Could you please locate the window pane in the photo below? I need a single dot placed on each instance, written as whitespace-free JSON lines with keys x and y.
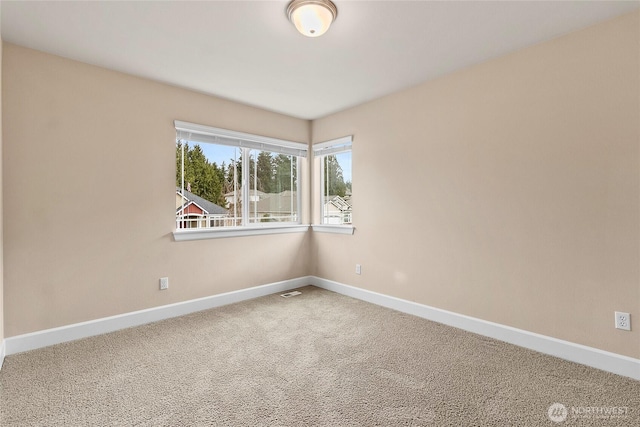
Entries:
{"x":225,"y":180}
{"x":337,"y":207}
{"x":208,"y":181}
{"x":273,"y":187}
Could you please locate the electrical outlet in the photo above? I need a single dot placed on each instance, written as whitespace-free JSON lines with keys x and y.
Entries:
{"x":623,"y":321}
{"x":358,"y":269}
{"x":164,"y":283}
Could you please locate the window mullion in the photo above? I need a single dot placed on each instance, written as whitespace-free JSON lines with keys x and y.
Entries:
{"x":322,"y":198}
{"x":255,"y":188}
{"x":246,"y":165}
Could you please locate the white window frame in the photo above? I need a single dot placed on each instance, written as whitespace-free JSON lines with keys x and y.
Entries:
{"x":320,"y":150}
{"x":186,"y":131}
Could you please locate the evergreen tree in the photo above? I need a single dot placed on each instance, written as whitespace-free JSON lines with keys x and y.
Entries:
{"x":235,"y":164}
{"x":222,"y":175}
{"x":268,"y":173}
{"x":179,"y":163}
{"x":334,"y":184}
{"x":265,"y":171}
{"x":285,"y":168}
{"x":200,"y":175}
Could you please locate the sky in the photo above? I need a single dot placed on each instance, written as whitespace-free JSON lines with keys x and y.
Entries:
{"x":222,"y":153}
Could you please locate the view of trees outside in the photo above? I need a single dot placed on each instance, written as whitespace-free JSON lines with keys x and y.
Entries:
{"x":276,"y":172}
{"x":214,"y":173}
{"x":205,"y":178}
{"x":337,"y":207}
{"x":273,"y":187}
{"x":334,"y":176}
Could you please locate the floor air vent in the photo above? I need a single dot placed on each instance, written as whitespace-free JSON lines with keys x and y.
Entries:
{"x":290,"y":294}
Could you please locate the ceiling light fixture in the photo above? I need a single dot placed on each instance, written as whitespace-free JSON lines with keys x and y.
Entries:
{"x":312,"y":17}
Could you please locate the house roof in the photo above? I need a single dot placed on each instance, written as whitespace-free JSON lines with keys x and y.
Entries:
{"x":338,"y":202}
{"x":210,"y":207}
{"x":258,"y":193}
{"x":278,"y":203}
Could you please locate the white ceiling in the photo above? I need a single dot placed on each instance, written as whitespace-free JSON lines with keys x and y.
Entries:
{"x":249,"y":52}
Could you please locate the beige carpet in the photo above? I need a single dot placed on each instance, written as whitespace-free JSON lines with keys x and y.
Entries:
{"x":318,"y":359}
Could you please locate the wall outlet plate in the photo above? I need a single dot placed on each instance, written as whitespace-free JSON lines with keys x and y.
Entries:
{"x":164,"y":283}
{"x":623,"y":321}
{"x":358,"y":269}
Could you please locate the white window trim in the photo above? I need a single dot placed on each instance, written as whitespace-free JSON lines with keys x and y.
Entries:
{"x":335,"y":146}
{"x":246,"y":142}
{"x":202,"y":234}
{"x":212,"y":135}
{"x":335,"y":229}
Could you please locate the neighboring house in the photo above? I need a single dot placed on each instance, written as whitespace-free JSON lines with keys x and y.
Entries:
{"x":337,"y":210}
{"x":254,"y":196}
{"x":276,"y":207}
{"x":195,"y":212}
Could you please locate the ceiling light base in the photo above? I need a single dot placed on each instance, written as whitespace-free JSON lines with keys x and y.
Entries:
{"x":312,"y":18}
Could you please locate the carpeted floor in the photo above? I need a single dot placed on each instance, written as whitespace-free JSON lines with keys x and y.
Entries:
{"x":317,"y":359}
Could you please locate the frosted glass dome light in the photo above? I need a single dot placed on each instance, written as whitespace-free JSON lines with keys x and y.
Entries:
{"x":312,"y":18}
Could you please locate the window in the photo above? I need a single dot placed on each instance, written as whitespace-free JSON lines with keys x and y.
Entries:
{"x":335,"y":181}
{"x":231,"y":180}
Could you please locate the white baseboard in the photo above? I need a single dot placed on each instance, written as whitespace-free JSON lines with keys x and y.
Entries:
{"x":596,"y":358}
{"x":39,"y":339}
{"x":600,"y":359}
{"x":2,"y":352}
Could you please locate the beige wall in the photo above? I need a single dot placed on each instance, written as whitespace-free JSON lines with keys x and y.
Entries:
{"x":1,"y":227}
{"x":517,"y":181}
{"x":89,"y":163}
{"x":518,"y":184}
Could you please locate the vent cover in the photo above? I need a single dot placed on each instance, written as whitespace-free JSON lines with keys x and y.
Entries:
{"x":290,"y":294}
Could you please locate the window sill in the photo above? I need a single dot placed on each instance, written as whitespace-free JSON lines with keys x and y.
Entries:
{"x":201,"y":234}
{"x":336,"y":229}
